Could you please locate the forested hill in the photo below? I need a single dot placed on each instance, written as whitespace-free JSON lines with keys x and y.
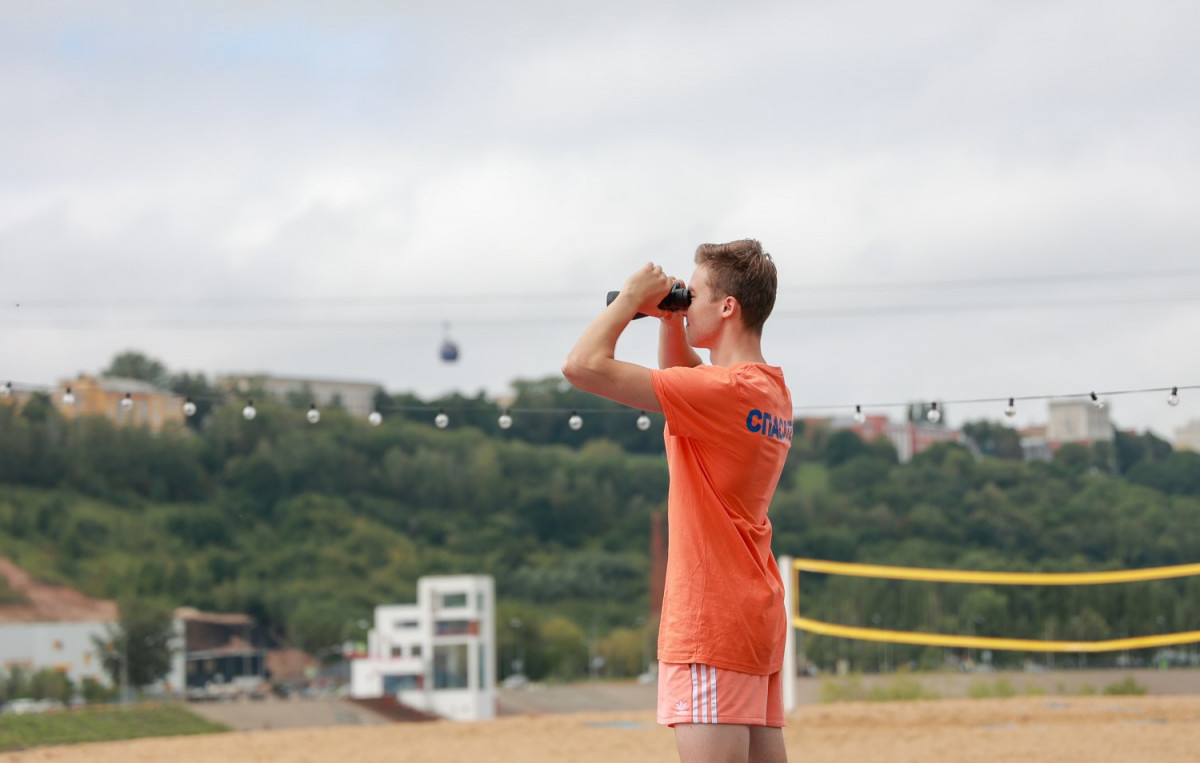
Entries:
{"x":307,"y":527}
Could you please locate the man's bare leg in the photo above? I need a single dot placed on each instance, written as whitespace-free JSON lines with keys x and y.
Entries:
{"x":766,"y":745}
{"x":712,"y":743}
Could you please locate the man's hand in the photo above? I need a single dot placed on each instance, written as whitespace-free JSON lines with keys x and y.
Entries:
{"x":646,"y":288}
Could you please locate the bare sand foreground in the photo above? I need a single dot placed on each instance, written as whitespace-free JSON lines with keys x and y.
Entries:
{"x":1027,"y":729}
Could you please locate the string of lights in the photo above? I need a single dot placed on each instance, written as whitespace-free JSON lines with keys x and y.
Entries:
{"x":506,"y":419}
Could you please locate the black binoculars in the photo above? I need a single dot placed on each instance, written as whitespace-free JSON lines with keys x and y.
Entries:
{"x":678,"y":298}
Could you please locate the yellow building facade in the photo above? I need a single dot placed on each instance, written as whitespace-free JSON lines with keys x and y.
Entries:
{"x":125,"y":401}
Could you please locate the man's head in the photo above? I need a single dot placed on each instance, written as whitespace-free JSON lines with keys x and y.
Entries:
{"x":742,"y":270}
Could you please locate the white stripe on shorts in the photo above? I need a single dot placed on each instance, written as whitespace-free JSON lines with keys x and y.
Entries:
{"x":704,"y":693}
{"x":695,"y":694}
{"x":712,"y":718}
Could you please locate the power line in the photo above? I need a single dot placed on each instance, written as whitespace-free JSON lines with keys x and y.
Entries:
{"x":1005,"y":281}
{"x":383,"y":324}
{"x":502,"y":297}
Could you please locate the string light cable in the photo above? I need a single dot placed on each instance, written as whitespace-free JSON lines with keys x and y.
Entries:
{"x":442,"y":415}
{"x":934,"y":414}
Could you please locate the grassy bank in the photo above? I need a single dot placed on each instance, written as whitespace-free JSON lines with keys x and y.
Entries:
{"x":905,"y":687}
{"x":101,"y":724}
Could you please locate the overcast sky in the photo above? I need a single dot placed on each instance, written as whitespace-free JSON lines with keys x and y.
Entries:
{"x":964,"y":199}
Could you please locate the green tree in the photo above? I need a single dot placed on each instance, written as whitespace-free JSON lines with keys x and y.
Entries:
{"x":995,"y":439}
{"x":137,"y":651}
{"x":51,"y":684}
{"x":203,"y":396}
{"x":566,"y":650}
{"x":1177,"y":474}
{"x":1074,"y":459}
{"x":844,"y":445}
{"x":883,"y":449}
{"x":134,"y":365}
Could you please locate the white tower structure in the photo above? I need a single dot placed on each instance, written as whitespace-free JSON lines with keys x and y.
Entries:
{"x":438,"y":655}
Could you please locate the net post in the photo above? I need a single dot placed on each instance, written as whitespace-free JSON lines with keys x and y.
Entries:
{"x":789,"y":573}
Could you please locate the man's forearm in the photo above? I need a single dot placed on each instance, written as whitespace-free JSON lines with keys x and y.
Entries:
{"x":673,"y":348}
{"x":592,"y":366}
{"x":598,"y":342}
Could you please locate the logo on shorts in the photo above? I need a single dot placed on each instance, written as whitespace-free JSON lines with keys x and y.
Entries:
{"x":681,"y":708}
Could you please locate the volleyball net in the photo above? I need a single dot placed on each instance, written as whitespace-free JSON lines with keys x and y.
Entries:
{"x":919,"y":638}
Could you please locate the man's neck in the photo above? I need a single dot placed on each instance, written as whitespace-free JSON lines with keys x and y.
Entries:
{"x":736,"y":347}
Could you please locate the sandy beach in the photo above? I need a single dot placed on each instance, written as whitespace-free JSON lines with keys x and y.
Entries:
{"x":1163,"y":729}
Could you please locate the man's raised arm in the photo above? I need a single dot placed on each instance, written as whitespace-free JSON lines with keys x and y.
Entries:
{"x":592,"y":365}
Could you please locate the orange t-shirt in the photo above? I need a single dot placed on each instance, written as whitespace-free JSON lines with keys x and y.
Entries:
{"x":727,"y":436}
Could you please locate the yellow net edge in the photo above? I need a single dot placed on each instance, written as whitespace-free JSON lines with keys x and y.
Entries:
{"x":820,"y":627}
{"x":1002,"y":578}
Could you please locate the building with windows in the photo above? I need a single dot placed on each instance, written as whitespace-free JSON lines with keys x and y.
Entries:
{"x":69,"y":648}
{"x":438,"y":655}
{"x":1187,"y":437}
{"x":353,"y":396}
{"x":909,"y":438}
{"x":1034,"y":444}
{"x":125,"y":401}
{"x":1080,"y":421}
{"x":217,"y":654}
{"x":53,"y":627}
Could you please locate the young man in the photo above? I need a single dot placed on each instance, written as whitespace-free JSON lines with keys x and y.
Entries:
{"x":729,"y":427}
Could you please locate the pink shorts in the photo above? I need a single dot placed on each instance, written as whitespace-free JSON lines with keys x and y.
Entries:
{"x":703,"y":694}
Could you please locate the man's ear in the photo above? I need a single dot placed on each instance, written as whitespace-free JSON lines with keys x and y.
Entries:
{"x":729,"y":307}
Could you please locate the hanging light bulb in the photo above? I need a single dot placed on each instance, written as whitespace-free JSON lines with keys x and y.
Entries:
{"x":313,"y":414}
{"x":441,"y":420}
{"x":127,"y":401}
{"x":68,"y":397}
{"x":189,"y":408}
{"x":6,"y":390}
{"x":375,"y":418}
{"x":643,"y":422}
{"x":249,"y":412}
{"x":1097,"y":401}
{"x":859,"y":416}
{"x":934,"y":415}
{"x":575,"y":422}
{"x":1172,"y":399}
{"x":505,"y":420}
{"x":1010,"y":410}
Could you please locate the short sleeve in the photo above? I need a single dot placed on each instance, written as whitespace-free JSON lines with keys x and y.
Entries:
{"x":696,"y":400}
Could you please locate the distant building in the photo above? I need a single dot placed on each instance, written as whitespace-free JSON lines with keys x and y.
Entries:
{"x":1034,"y":444}
{"x":354,"y":396}
{"x":11,"y":394}
{"x":438,"y":655}
{"x":1187,"y":437}
{"x":125,"y":401}
{"x":907,"y":437}
{"x":53,"y":627}
{"x":1078,"y":421}
{"x":217,"y":653}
